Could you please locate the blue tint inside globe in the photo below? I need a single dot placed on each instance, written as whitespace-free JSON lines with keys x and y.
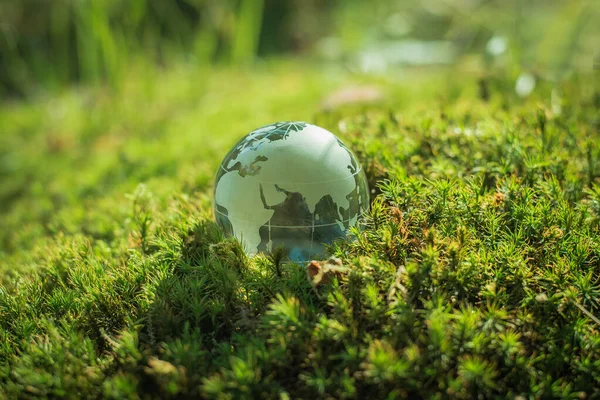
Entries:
{"x":290,"y":184}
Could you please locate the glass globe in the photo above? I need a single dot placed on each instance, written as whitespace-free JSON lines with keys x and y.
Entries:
{"x":289,"y":184}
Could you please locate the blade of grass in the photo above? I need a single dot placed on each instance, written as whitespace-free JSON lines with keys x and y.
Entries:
{"x":247,"y":31}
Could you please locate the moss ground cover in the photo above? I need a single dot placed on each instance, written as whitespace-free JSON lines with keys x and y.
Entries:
{"x":476,"y":272}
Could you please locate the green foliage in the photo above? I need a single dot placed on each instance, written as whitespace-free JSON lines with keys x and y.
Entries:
{"x":53,"y":43}
{"x":475,"y":273}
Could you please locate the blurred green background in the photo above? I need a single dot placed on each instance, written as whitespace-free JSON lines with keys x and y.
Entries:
{"x":47,"y":44}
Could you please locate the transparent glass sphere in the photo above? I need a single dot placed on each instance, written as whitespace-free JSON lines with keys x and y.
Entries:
{"x":289,"y":184}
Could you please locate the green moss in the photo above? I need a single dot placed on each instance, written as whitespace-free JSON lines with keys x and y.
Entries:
{"x":475,"y":273}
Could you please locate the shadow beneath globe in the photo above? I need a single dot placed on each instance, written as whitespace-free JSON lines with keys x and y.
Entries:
{"x":213,"y":290}
{"x":200,"y":288}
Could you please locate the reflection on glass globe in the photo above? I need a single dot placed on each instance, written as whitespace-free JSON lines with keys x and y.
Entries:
{"x":290,"y":184}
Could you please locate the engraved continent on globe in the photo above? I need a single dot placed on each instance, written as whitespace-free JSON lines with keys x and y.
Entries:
{"x":289,"y":184}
